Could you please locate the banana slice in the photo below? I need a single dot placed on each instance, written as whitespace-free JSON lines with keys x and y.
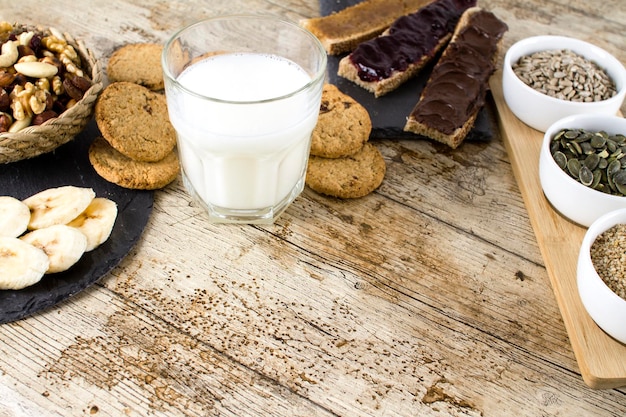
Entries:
{"x":96,"y":222}
{"x":63,"y":244}
{"x":14,"y":216}
{"x":21,"y":264}
{"x":57,"y":205}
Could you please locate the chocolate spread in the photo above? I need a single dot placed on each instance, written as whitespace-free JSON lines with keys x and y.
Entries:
{"x":411,"y":38}
{"x":458,"y":84}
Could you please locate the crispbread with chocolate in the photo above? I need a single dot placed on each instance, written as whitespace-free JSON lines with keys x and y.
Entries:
{"x":342,"y":31}
{"x":343,"y":125}
{"x":382,"y":64}
{"x":458,"y":84}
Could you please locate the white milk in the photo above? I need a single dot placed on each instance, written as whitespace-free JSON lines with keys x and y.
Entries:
{"x":239,"y":153}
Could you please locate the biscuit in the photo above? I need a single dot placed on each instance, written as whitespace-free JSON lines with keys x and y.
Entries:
{"x":343,"y":125}
{"x":138,"y":63}
{"x":135,"y":121}
{"x":125,"y":172}
{"x":352,"y":176}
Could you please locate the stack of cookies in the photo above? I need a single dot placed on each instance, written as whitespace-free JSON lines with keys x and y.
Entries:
{"x":342,"y":163}
{"x":137,"y":147}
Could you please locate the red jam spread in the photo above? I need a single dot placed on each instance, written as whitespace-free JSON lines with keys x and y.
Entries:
{"x":411,"y":38}
{"x":458,"y":84}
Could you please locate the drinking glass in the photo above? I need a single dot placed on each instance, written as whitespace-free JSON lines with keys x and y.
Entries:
{"x":243,"y":94}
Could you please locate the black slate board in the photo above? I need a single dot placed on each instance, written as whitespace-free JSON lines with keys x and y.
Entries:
{"x":389,"y":112}
{"x":69,"y":165}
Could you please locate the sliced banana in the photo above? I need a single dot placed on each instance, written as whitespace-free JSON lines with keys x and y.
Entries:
{"x":96,"y":222}
{"x":58,"y":205}
{"x":14,"y":216}
{"x":21,"y":264}
{"x":63,"y":244}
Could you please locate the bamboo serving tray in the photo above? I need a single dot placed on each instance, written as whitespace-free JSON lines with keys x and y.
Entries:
{"x":601,"y":359}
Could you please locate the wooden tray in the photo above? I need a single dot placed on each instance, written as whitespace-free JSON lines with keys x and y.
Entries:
{"x":602,"y":359}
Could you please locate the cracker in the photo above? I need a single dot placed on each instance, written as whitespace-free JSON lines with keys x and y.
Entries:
{"x":343,"y":125}
{"x":135,"y":121}
{"x":138,"y":63}
{"x":352,"y":176}
{"x":128,"y":173}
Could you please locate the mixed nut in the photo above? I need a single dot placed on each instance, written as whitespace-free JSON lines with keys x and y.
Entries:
{"x":565,"y":75}
{"x":41,"y":76}
{"x":595,"y":159}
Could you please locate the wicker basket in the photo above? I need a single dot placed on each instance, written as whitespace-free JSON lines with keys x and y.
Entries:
{"x":36,"y":140}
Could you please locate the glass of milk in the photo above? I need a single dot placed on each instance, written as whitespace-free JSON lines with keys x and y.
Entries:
{"x":243,"y":94}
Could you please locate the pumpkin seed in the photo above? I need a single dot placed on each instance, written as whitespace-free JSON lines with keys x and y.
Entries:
{"x":595,"y":159}
{"x":597,"y":141}
{"x":585,"y":175}
{"x":573,"y":167}
{"x":592,"y":161}
{"x":560,"y":159}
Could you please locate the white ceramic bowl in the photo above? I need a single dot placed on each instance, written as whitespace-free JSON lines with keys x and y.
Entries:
{"x":539,"y":110}
{"x":605,"y":307}
{"x":579,"y":203}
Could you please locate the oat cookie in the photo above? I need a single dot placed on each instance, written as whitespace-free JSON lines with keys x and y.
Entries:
{"x":343,"y":125}
{"x":135,"y":121}
{"x":138,"y":63}
{"x":352,"y":176}
{"x":125,"y":172}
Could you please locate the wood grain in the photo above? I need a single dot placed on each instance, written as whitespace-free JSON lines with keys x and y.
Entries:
{"x":429,"y":297}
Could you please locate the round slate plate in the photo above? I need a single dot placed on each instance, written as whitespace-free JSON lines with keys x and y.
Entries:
{"x":69,"y":165}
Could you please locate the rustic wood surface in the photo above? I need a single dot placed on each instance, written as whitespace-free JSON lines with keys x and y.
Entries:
{"x":429,"y":297}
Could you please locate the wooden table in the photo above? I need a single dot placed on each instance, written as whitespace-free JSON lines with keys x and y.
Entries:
{"x":429,"y":297}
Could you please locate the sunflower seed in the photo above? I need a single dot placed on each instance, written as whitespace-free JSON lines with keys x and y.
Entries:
{"x":566,"y":75}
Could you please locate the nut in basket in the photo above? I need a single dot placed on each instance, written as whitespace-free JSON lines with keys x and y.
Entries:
{"x":49,"y":83}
